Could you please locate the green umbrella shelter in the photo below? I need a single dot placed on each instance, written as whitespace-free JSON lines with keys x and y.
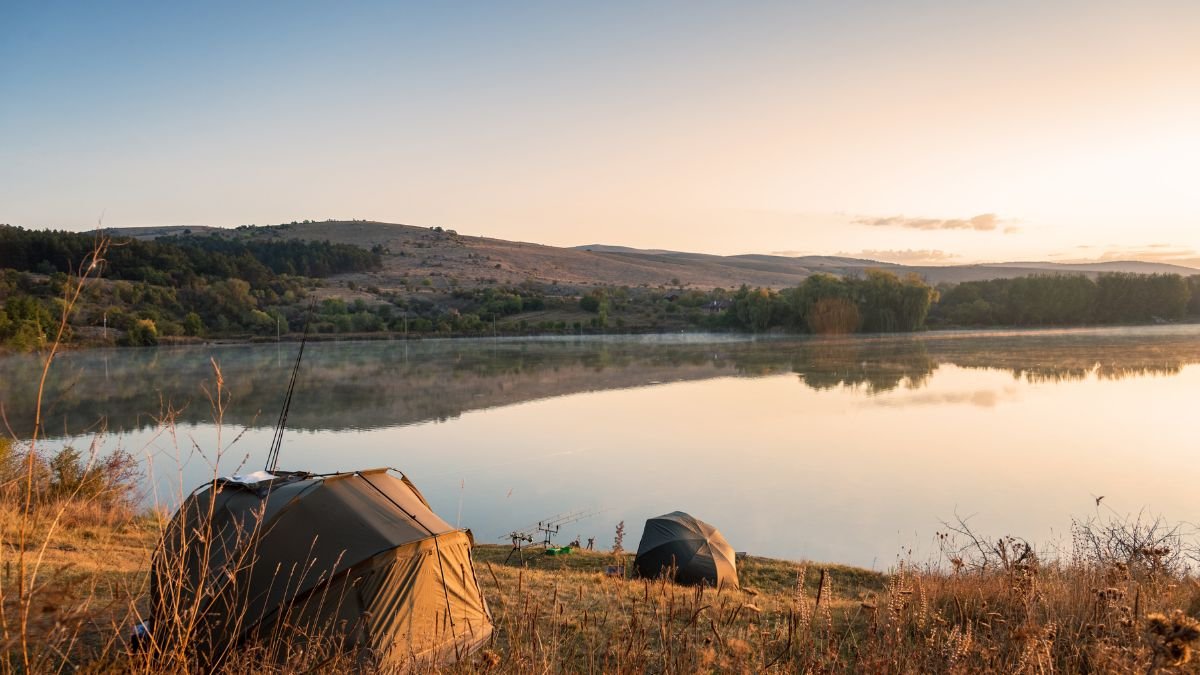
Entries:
{"x":695,"y":550}
{"x":356,"y":563}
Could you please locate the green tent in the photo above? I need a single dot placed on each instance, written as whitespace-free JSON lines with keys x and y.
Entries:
{"x":693,"y":550}
{"x":354,"y":560}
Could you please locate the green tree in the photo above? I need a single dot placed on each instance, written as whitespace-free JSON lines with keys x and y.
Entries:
{"x":592,"y":301}
{"x":757,"y":309}
{"x":815,"y":289}
{"x":192,"y":325}
{"x":26,"y":336}
{"x":260,"y":322}
{"x":916,"y":299}
{"x":143,"y":333}
{"x":365,"y":322}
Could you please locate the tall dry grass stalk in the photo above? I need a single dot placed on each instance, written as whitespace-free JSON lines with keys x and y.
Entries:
{"x":15,"y":624}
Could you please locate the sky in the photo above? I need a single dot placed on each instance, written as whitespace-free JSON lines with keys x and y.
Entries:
{"x":931,"y":131}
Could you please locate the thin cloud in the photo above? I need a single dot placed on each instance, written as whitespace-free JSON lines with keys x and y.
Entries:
{"x":984,"y":222}
{"x":905,"y":256}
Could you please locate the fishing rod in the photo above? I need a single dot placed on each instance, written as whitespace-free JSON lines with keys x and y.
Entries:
{"x":552,"y":519}
{"x":582,"y":515}
{"x":564,"y":518}
{"x":548,"y":527}
{"x":277,"y":440}
{"x":552,"y":527}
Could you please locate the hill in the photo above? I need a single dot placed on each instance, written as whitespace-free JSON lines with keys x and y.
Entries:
{"x":441,"y":255}
{"x":934,"y":274}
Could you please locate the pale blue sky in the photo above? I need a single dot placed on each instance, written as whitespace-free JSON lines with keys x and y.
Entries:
{"x":722,"y":127}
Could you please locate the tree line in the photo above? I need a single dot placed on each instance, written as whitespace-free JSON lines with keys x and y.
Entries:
{"x":1069,"y":300}
{"x":180,"y":260}
{"x":877,"y":302}
{"x":171,"y":286}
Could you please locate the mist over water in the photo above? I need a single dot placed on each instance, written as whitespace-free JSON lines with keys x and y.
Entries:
{"x":850,"y":450}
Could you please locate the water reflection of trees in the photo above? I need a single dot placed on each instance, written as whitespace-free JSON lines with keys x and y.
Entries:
{"x":1101,"y":371}
{"x":1074,"y":356}
{"x":370,"y":385}
{"x":877,"y":367}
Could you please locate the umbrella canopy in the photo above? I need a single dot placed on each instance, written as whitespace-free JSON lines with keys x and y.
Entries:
{"x":696,"y":551}
{"x":356,"y":560}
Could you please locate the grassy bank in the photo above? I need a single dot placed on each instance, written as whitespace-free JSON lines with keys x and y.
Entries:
{"x":565,"y":614}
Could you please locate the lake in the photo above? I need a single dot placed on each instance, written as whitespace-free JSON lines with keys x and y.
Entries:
{"x":851,"y":450}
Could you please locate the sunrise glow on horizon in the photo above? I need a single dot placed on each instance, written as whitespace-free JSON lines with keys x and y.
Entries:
{"x":927,"y":132}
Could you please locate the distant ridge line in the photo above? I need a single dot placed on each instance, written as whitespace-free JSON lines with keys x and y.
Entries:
{"x":437,"y":253}
{"x":1034,"y":266}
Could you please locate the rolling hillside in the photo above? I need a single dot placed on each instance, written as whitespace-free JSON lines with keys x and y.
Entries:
{"x":419,"y":253}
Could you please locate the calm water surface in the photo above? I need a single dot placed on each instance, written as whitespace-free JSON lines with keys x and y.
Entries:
{"x":849,"y":450}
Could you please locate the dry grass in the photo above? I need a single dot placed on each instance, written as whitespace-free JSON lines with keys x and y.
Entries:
{"x":564,"y":614}
{"x":560,"y":614}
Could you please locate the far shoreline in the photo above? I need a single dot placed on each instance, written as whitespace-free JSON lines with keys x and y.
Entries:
{"x":943,"y":332}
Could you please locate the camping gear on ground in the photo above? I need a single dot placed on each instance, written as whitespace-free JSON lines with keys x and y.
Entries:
{"x":692,"y":550}
{"x":356,"y":558}
{"x":546,"y":529}
{"x":139,"y":637}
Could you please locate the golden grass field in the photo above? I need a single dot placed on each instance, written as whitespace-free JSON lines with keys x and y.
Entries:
{"x":565,"y":614}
